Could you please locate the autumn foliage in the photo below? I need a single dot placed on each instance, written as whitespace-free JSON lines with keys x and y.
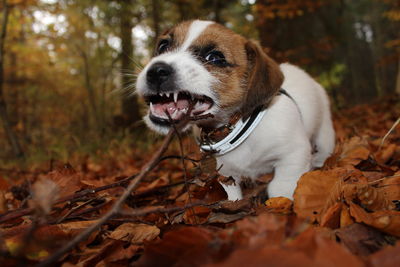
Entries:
{"x":69,"y":69}
{"x":344,"y":214}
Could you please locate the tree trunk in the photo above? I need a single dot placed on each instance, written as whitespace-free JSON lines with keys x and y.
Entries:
{"x":398,"y":78}
{"x":12,"y":138}
{"x":130,"y":107}
{"x":217,"y":11}
{"x":90,"y":90}
{"x":155,"y":5}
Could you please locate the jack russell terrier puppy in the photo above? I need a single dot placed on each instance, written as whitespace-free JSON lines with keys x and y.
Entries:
{"x":266,"y":117}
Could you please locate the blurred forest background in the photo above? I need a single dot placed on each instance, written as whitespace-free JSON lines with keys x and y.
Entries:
{"x":67,"y":67}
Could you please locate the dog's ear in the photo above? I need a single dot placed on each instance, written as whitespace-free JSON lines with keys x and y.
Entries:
{"x":264,"y":78}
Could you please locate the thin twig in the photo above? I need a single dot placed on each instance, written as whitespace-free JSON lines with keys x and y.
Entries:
{"x":15,"y":214}
{"x":187,"y":187}
{"x":145,"y":211}
{"x":388,"y":133}
{"x":74,"y":209}
{"x":116,"y":207}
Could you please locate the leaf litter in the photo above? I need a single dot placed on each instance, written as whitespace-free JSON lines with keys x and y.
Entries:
{"x":345,"y":214}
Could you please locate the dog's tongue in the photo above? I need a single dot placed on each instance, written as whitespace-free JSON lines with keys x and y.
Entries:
{"x":177,"y":109}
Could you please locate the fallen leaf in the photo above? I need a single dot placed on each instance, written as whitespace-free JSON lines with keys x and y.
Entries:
{"x":265,"y":256}
{"x":318,"y":190}
{"x":279,"y":205}
{"x":361,"y":239}
{"x":135,"y":233}
{"x":331,"y":218}
{"x":67,"y":179}
{"x":387,"y":221}
{"x":353,"y":152}
{"x":345,"y":217}
{"x":387,"y":257}
{"x":390,"y":187}
{"x":266,"y":228}
{"x":318,"y":245}
{"x":186,"y":246}
{"x":386,"y":153}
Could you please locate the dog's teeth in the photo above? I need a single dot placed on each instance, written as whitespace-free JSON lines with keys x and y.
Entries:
{"x":167,"y":94}
{"x":151,"y":106}
{"x":192,"y":97}
{"x":174,"y":113}
{"x":176,"y":97}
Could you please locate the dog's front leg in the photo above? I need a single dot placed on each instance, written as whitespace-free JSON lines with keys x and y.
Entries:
{"x":287,"y":173}
{"x":233,"y":190}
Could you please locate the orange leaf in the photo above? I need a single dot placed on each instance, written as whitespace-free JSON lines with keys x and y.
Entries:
{"x":135,"y":233}
{"x":279,"y":205}
{"x":387,"y":221}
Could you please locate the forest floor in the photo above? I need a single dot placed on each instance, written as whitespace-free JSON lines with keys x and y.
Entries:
{"x":345,"y":214}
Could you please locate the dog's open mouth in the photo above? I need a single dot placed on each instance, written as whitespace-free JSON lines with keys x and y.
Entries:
{"x":178,"y":105}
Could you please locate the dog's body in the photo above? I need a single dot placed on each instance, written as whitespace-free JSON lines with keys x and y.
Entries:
{"x":284,"y":139}
{"x":204,"y":68}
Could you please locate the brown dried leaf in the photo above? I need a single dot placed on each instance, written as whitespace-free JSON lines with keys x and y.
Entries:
{"x":387,"y":221}
{"x":361,"y":239}
{"x":331,"y":218}
{"x":135,"y":233}
{"x":68,"y":180}
{"x":373,"y":199}
{"x":353,"y":152}
{"x":265,"y":256}
{"x":385,"y":154}
{"x":186,"y":246}
{"x":390,"y":187}
{"x":318,"y":245}
{"x":387,"y":257}
{"x":196,"y":215}
{"x":316,"y":189}
{"x":345,"y":217}
{"x":266,"y":228}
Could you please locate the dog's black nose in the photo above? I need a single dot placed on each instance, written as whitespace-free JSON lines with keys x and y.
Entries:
{"x":159,"y":73}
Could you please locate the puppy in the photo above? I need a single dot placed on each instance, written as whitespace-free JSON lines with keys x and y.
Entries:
{"x":266,"y":117}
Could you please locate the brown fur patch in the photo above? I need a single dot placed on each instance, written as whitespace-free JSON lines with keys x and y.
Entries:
{"x":230,"y":86}
{"x":253,"y":78}
{"x":264,"y":78}
{"x":176,"y":35}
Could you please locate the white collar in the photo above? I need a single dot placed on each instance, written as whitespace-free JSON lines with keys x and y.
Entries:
{"x":241,"y":130}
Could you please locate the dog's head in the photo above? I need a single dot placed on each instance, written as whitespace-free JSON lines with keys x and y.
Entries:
{"x":205,"y":68}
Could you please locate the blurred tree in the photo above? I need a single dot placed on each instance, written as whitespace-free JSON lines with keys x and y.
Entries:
{"x":130,"y":106}
{"x":11,"y":136}
{"x":326,"y":36}
{"x":65,"y":59}
{"x":155,"y":10}
{"x":393,"y":15}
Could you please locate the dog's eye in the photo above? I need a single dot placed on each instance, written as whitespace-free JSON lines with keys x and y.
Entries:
{"x":215,"y":57}
{"x":163,"y":46}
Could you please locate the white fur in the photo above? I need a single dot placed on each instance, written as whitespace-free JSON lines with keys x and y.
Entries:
{"x":283,"y":141}
{"x":195,"y":30}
